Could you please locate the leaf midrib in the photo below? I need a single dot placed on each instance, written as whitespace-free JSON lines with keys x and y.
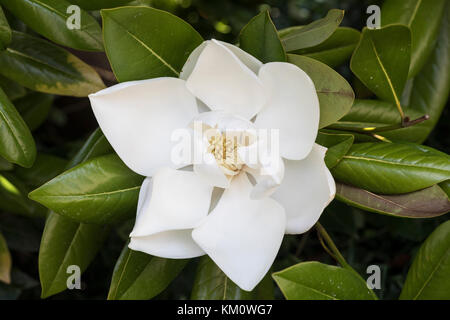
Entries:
{"x":389,"y":162}
{"x":51,"y":9}
{"x":427,"y":281}
{"x":152,"y":52}
{"x":67,"y":74}
{"x":92,"y":194}
{"x":13,"y":132}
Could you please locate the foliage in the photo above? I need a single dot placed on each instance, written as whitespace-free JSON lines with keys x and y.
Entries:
{"x":382,"y":94}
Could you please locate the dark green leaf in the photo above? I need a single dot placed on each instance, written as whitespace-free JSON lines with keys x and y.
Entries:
{"x":376,"y":113}
{"x":12,"y":89}
{"x":335,"y":94}
{"x":45,"y":168}
{"x":428,"y":276}
{"x":16,"y":142}
{"x":427,"y":203}
{"x":42,"y":66}
{"x":336,"y":49}
{"x":445,"y":186}
{"x":5,"y":31}
{"x":431,"y":86}
{"x":49,"y":18}
{"x":260,"y":38}
{"x":143,"y":43}
{"x":416,"y":15}
{"x":392,"y":168}
{"x":102,"y":190}
{"x":381,"y":61}
{"x":139,"y":276}
{"x":5,"y":165}
{"x":34,"y":108}
{"x":212,"y":284}
{"x":65,"y":242}
{"x":318,"y":281}
{"x":5,"y":261}
{"x":99,"y":4}
{"x":96,"y":145}
{"x":337,"y":144}
{"x":312,"y":34}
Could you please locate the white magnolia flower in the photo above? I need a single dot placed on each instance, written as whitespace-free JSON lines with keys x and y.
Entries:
{"x":182,"y":213}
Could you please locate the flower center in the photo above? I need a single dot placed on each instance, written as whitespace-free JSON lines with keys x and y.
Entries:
{"x":224,"y":148}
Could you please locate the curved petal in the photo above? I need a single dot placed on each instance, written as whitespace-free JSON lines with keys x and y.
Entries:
{"x":179,"y":200}
{"x":224,"y":121}
{"x":211,"y":173}
{"x":175,"y":244}
{"x":268,"y":178}
{"x":241,"y":235}
{"x":292,"y":108}
{"x":250,"y":61}
{"x":306,"y":190}
{"x":139,"y":117}
{"x":223,"y":82}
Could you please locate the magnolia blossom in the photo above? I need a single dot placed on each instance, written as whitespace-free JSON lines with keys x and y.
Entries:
{"x":233,"y":203}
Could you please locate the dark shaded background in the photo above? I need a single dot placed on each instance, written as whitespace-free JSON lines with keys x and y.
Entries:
{"x":364,"y":238}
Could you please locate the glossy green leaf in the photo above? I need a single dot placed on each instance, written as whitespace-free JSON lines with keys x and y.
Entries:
{"x":318,"y":281}
{"x":428,"y":277}
{"x":5,"y":261}
{"x":95,"y":146}
{"x":13,"y":195}
{"x":416,"y":15}
{"x":34,"y":108}
{"x":42,"y":66}
{"x":16,"y":142}
{"x":445,"y":186}
{"x":426,"y":203}
{"x":50,"y":18}
{"x":260,"y":38}
{"x":337,"y":49}
{"x":381,"y":61}
{"x":312,"y":34}
{"x":392,"y":168}
{"x":143,"y":42}
{"x":65,"y":242}
{"x":139,"y":276}
{"x":376,"y":113}
{"x":5,"y":31}
{"x":102,"y":190}
{"x":337,"y":144}
{"x":431,"y":86}
{"x":335,"y":94}
{"x":12,"y":89}
{"x":45,"y":168}
{"x":212,"y":284}
{"x":99,"y":4}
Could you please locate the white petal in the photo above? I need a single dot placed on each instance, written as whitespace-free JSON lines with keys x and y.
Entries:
{"x":251,"y":62}
{"x":139,"y":117}
{"x":241,"y":235}
{"x":223,"y":82}
{"x":179,"y":200}
{"x":292,"y":108}
{"x":211,"y":173}
{"x":176,"y":244}
{"x":268,"y":179}
{"x":307,"y":188}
